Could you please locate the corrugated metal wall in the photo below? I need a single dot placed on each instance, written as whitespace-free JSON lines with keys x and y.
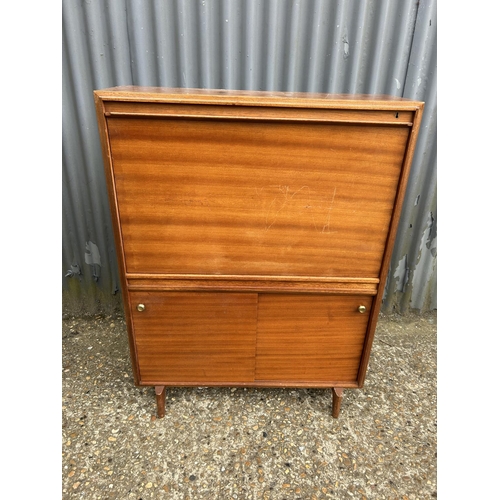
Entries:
{"x":365,"y":46}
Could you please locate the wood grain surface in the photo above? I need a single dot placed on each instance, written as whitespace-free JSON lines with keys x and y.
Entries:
{"x":229,"y":97}
{"x":248,"y":113}
{"x":289,"y":284}
{"x":218,"y":197}
{"x":310,"y":337}
{"x":197,"y":337}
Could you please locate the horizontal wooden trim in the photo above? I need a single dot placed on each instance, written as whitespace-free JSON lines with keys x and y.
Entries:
{"x":257,"y":287}
{"x":254,"y":113}
{"x":258,"y":118}
{"x":256,"y":284}
{"x":256,"y":98}
{"x":246,"y":277}
{"x":258,"y":384}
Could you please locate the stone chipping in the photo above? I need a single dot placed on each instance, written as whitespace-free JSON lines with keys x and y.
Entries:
{"x":246,"y":443}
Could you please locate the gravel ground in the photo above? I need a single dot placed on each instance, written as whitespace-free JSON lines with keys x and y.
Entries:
{"x":228,"y":443}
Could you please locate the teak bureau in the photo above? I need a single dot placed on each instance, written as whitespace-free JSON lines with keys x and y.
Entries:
{"x":253,"y":231}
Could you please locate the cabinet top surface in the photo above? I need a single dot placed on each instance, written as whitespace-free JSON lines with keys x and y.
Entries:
{"x":256,"y":98}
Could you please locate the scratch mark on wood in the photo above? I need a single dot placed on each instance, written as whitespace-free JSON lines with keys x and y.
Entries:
{"x":284,"y":192}
{"x":308,"y":205}
{"x":287,"y":200}
{"x":326,"y":227}
{"x":299,"y":190}
{"x":258,"y":191}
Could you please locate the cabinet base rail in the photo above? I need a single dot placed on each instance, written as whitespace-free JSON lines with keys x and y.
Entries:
{"x":160,"y":391}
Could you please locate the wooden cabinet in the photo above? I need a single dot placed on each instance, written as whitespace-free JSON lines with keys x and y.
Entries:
{"x":253,"y":231}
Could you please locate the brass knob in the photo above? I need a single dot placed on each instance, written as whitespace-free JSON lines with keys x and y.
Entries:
{"x":141,"y":307}
{"x":362,"y":309}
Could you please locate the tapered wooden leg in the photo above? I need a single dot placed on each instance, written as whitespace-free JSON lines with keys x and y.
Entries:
{"x":160,"y":400}
{"x":338,"y":394}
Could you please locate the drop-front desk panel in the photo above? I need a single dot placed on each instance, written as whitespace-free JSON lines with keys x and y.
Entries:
{"x":253,"y":231}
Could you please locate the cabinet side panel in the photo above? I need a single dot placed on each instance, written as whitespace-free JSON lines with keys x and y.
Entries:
{"x":255,"y":198}
{"x":195,"y":337}
{"x":398,"y":205}
{"x":115,"y":217}
{"x":310,"y":337}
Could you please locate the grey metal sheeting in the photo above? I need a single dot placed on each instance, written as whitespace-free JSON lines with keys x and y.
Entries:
{"x":370,"y":47}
